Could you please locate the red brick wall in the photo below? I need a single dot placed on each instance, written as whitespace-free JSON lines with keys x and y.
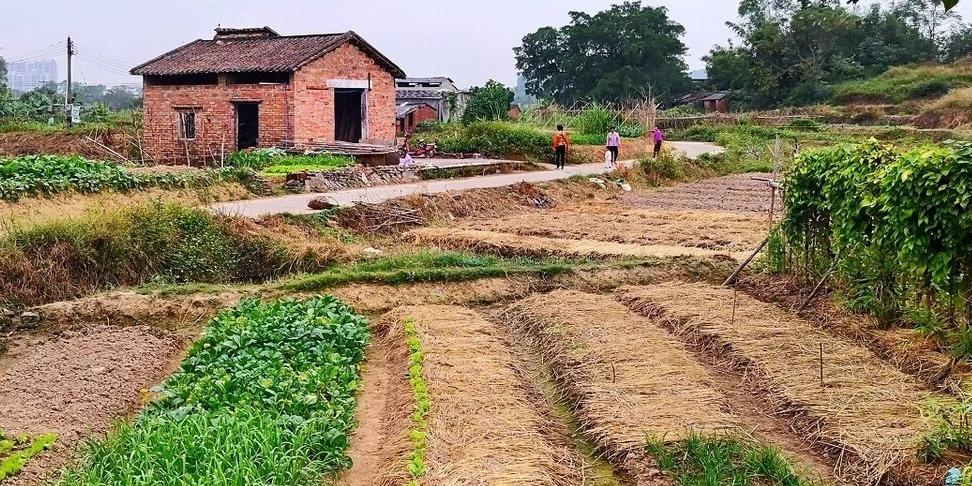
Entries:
{"x":215,"y":119}
{"x":314,"y":101}
{"x":302,"y":110}
{"x":423,"y":113}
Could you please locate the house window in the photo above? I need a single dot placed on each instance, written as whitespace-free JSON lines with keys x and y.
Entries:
{"x":187,"y":125}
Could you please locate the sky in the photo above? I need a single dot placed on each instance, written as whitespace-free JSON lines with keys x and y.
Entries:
{"x":471,"y":42}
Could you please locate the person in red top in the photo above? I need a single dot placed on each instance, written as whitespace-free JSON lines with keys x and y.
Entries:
{"x":561,"y":143}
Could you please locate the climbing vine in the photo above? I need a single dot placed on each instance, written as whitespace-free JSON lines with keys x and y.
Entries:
{"x":894,"y":227}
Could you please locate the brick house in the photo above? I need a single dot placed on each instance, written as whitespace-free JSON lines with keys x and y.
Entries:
{"x":409,"y":115}
{"x":255,"y":88}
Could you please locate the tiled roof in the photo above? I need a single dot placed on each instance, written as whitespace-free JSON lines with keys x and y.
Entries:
{"x":432,"y":94}
{"x":268,"y":54}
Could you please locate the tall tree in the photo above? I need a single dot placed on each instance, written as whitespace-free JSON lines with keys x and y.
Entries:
{"x":958,"y":44}
{"x":488,"y":102}
{"x":614,"y":55}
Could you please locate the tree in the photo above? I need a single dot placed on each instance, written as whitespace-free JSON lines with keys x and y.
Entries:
{"x":615,"y":55}
{"x":488,"y":102}
{"x":958,"y":44}
{"x":792,"y":51}
{"x":947,"y":4}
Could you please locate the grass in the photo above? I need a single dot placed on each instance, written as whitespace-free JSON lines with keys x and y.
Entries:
{"x":266,"y":396}
{"x":420,"y":392}
{"x":722,"y":460}
{"x":275,"y":161}
{"x":905,"y":83}
{"x":425,"y":266}
{"x":288,"y":164}
{"x":155,"y":241}
{"x":15,"y":452}
{"x":421,"y":266}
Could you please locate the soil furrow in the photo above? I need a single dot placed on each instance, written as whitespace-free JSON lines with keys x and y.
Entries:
{"x":625,"y":378}
{"x":863,"y":411}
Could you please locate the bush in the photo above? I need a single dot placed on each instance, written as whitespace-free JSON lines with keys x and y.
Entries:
{"x":932,"y":88}
{"x":498,"y":139}
{"x":169,"y":243}
{"x":266,"y":396}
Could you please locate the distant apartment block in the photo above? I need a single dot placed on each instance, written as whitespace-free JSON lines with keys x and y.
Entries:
{"x":29,"y":75}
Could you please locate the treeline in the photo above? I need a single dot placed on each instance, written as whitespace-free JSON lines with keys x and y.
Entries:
{"x":792,"y":52}
{"x":46,"y":102}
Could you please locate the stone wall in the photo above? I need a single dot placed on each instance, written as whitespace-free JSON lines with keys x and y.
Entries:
{"x":360,"y":176}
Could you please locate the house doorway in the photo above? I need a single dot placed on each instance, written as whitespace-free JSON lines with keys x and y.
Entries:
{"x":247,"y":125}
{"x":349,"y":108}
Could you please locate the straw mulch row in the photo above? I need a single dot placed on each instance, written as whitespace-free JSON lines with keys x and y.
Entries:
{"x":509,"y":244}
{"x":625,"y":378}
{"x":483,"y":427}
{"x":908,"y":349}
{"x":866,"y":414}
{"x":722,"y":231}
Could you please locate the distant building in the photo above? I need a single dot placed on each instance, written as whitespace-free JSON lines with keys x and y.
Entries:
{"x":520,"y":96}
{"x":439,"y":92}
{"x":717,"y":101}
{"x":409,"y":115}
{"x":706,"y":101}
{"x":26,"y":76}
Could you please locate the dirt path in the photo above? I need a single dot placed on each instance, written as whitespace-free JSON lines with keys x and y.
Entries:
{"x":371,"y":411}
{"x":297,"y":204}
{"x":77,"y":384}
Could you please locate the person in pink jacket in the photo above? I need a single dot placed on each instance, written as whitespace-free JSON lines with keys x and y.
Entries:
{"x":658,"y":138}
{"x":614,"y":145}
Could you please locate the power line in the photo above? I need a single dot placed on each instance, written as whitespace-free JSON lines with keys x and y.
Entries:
{"x":106,"y":58}
{"x":40,"y":55}
{"x":41,"y":51}
{"x":107,"y":67}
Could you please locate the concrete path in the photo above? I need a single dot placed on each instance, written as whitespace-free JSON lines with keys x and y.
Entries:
{"x":297,"y":203}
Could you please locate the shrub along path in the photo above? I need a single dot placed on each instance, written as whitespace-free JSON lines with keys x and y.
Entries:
{"x":297,"y":203}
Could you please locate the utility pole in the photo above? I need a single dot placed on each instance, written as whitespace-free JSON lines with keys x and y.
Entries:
{"x":67,"y":93}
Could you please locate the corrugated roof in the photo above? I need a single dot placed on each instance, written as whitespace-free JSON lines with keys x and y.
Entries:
{"x":718,"y":95}
{"x":269,"y":54}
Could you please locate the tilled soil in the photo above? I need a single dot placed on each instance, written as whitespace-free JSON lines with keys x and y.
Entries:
{"x":511,"y":244}
{"x":722,"y":231}
{"x":77,"y":384}
{"x":736,"y":193}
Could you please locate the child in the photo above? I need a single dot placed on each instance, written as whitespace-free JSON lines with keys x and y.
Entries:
{"x":658,"y":137}
{"x":614,"y":145}
{"x":560,"y":145}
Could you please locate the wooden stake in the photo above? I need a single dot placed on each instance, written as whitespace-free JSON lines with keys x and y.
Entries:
{"x":742,"y":265}
{"x":821,"y":366}
{"x":817,"y":287}
{"x":732,"y":320}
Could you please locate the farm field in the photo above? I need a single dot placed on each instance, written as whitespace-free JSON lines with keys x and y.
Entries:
{"x":564,"y":334}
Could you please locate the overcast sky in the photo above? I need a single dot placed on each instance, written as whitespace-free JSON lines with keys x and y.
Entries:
{"x":470,"y":42}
